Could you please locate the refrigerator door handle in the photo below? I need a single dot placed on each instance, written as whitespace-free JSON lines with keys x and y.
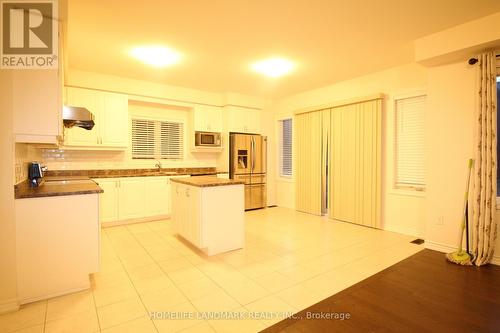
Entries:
{"x":253,"y":153}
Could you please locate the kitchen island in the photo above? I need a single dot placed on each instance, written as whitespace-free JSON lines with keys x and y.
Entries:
{"x":208,"y":212}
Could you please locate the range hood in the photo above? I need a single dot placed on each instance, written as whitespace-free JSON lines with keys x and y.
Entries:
{"x":77,"y":116}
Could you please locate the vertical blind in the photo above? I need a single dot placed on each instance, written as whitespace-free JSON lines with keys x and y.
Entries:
{"x":157,"y":139}
{"x":286,"y":147}
{"x":309,"y":162}
{"x":409,"y":142}
{"x":355,"y":163}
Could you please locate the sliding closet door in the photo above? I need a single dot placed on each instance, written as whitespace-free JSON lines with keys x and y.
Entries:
{"x":308,"y":162}
{"x":355,"y":167}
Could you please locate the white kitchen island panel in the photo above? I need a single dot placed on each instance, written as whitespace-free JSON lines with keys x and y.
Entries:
{"x":210,"y":217}
{"x":57,"y":245}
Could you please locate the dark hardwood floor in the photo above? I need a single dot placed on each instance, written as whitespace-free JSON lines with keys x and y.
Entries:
{"x":423,"y":293}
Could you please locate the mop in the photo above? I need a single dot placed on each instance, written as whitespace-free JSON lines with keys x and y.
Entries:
{"x":460,"y":256}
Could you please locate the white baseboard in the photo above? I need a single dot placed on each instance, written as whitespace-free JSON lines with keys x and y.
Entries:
{"x":9,"y":305}
{"x":448,"y":249}
{"x":403,"y":231}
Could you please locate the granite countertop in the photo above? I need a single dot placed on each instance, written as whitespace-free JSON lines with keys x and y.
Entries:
{"x":207,"y":181}
{"x":121,"y":173}
{"x":57,"y":186}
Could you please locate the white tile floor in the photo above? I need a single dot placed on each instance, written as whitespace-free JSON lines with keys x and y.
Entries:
{"x":291,"y":261}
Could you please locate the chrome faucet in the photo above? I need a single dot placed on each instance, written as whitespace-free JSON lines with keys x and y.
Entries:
{"x":158,"y":165}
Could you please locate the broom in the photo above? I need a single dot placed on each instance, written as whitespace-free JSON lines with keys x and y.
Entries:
{"x":460,"y":256}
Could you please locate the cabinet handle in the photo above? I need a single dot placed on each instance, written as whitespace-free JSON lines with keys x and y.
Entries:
{"x":187,"y":192}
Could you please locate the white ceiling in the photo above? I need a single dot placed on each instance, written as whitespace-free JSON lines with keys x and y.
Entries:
{"x":331,"y":40}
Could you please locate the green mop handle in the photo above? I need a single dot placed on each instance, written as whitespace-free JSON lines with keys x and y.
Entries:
{"x":466,"y":197}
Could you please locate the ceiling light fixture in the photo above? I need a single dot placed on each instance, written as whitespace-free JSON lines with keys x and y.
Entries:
{"x":157,"y":56}
{"x":274,"y":67}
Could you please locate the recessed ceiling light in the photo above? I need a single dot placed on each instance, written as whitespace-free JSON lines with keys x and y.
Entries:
{"x":157,"y":56}
{"x":274,"y":67}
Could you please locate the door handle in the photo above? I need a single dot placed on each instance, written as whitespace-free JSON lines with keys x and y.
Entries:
{"x":253,"y":154}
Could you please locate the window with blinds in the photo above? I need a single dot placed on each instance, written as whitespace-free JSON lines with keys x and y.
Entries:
{"x":409,"y":142}
{"x":157,"y":139}
{"x":286,"y":148}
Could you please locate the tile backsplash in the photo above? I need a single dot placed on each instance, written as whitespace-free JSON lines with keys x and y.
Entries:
{"x":21,"y":162}
{"x":62,"y":159}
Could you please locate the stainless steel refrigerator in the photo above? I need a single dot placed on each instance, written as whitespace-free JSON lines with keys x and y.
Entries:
{"x":247,"y":162}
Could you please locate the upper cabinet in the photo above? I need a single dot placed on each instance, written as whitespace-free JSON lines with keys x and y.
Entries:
{"x":243,"y":120}
{"x":38,"y":105}
{"x":110,"y":112}
{"x":207,"y":118}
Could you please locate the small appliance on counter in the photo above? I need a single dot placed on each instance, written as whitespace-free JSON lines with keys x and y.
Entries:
{"x":35,"y":174}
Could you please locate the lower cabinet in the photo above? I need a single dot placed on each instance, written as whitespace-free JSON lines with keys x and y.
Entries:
{"x":134,"y":198}
{"x":157,"y":196}
{"x":131,"y":200}
{"x":186,"y":200}
{"x":108,"y":201}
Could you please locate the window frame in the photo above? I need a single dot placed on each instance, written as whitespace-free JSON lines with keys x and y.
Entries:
{"x":158,"y":143}
{"x":409,"y":189}
{"x":280,"y":147}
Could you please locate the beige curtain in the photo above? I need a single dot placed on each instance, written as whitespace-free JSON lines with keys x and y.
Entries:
{"x":309,"y":163}
{"x":485,"y":164}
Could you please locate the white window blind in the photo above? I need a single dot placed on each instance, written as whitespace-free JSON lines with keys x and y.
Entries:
{"x":409,"y":142}
{"x":286,"y":148}
{"x":171,"y":140}
{"x":157,"y":139}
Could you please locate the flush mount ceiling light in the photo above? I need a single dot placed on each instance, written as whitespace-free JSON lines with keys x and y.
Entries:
{"x":274,"y":67}
{"x":157,"y":56}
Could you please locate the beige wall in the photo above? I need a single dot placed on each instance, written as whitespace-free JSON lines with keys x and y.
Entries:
{"x":402,"y":211}
{"x":8,"y":300}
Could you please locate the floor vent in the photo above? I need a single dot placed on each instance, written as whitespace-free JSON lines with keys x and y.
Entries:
{"x":417,"y":241}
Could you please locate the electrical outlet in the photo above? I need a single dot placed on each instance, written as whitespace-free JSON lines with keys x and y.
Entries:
{"x":440,"y":220}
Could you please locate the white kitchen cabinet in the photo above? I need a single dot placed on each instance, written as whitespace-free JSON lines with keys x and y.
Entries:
{"x":243,"y":120}
{"x":108,"y":201}
{"x":207,"y":118}
{"x":110,"y":112}
{"x":131,"y":199}
{"x":37,"y":103}
{"x":157,"y":196}
{"x":114,"y":120}
{"x":131,"y":202}
{"x":186,"y":204}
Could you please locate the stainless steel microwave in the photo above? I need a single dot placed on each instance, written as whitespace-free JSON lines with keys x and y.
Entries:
{"x":207,"y":139}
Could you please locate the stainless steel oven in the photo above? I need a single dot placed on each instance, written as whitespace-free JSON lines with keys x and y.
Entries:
{"x":207,"y":139}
